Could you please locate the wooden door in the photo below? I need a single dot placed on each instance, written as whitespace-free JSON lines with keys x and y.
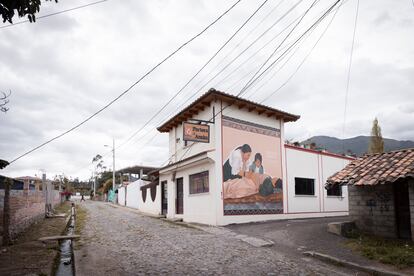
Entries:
{"x":164,"y":198}
{"x":180,"y":196}
{"x":402,"y":210}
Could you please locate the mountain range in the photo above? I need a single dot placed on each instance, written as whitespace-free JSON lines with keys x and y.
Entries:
{"x":356,"y":145}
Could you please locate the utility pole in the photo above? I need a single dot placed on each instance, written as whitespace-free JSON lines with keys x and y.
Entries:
{"x":94,"y":186}
{"x":6,"y":211}
{"x":113,"y":164}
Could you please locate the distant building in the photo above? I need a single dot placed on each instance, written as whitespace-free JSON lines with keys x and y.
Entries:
{"x":228,"y":164}
{"x":17,"y":184}
{"x":30,"y":182}
{"x":381,"y":193}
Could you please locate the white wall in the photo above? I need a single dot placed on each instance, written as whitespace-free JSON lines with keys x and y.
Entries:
{"x":121,"y":196}
{"x":197,"y":207}
{"x":150,"y":206}
{"x":318,"y":166}
{"x":133,"y":194}
{"x":331,"y":165}
{"x":305,"y":165}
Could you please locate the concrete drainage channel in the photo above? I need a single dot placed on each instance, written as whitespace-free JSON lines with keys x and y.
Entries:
{"x":66,"y":260}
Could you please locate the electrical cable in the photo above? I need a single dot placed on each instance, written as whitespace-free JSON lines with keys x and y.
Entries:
{"x":241,"y":91}
{"x":194,"y":76}
{"x":128,"y":89}
{"x":55,"y":13}
{"x":273,"y":53}
{"x":348,"y":80}
{"x":274,"y":62}
{"x":304,"y":59}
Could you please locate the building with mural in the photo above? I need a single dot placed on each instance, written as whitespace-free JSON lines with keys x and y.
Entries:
{"x":228,"y":163}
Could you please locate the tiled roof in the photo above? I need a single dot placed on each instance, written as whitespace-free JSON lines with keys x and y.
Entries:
{"x":212,"y":95}
{"x":376,"y":169}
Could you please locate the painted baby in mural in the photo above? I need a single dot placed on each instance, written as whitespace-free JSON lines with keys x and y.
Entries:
{"x":243,"y":177}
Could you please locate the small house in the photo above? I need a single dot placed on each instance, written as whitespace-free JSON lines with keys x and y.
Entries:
{"x":381,"y":193}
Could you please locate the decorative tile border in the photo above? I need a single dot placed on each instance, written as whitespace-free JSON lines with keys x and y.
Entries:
{"x":250,"y":127}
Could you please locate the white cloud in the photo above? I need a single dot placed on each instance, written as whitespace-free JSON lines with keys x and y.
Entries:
{"x":63,"y":68}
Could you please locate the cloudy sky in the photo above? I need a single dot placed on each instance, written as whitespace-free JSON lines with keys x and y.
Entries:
{"x":63,"y":68}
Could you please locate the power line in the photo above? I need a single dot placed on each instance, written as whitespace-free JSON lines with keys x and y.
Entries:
{"x":276,"y":60}
{"x":194,"y":94}
{"x":238,"y":44}
{"x":310,"y":28}
{"x":55,"y":13}
{"x":251,"y":44}
{"x":304,"y":59}
{"x":267,"y":43}
{"x":195,"y":75}
{"x":129,"y":88}
{"x":348,"y":80}
{"x":273,"y":53}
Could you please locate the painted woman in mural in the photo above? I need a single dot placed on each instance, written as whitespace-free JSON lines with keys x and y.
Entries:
{"x":236,"y":165}
{"x":243,"y":177}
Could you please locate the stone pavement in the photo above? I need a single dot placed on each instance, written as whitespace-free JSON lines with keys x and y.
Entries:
{"x":120,"y":241}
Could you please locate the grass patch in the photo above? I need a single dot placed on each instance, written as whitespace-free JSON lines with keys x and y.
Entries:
{"x":398,"y":253}
{"x":81,"y":217}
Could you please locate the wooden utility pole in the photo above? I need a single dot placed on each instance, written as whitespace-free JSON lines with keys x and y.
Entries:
{"x":6,"y":212}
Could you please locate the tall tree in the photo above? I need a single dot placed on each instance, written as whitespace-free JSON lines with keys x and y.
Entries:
{"x":376,"y":144}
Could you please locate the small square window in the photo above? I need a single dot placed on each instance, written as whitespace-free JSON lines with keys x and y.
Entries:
{"x":334,"y":190}
{"x":304,"y":186}
{"x":199,"y":183}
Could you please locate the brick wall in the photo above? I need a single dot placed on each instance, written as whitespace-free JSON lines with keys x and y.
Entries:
{"x":372,"y":209}
{"x":25,"y":208}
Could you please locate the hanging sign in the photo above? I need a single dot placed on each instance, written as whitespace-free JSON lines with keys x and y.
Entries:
{"x":196,"y":132}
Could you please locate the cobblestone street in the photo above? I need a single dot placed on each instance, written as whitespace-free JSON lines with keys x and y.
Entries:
{"x":120,"y":241}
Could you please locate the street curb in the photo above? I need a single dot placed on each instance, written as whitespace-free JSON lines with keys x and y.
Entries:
{"x":135,"y":210}
{"x":340,"y":262}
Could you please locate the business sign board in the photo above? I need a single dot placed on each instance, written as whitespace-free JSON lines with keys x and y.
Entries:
{"x":196,"y":132}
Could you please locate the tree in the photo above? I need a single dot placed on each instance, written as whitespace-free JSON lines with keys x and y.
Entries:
{"x":376,"y":144}
{"x":8,"y":9}
{"x":3,"y":164}
{"x":4,"y":100}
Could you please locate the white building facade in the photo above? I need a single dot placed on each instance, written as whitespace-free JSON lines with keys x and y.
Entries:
{"x":243,"y":171}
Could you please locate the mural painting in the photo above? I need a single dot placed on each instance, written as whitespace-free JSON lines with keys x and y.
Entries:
{"x":252,"y":172}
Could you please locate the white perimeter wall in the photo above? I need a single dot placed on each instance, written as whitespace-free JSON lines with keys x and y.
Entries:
{"x":331,"y":165}
{"x":306,"y":164}
{"x":133,"y":193}
{"x":121,"y":196}
{"x":150,"y":206}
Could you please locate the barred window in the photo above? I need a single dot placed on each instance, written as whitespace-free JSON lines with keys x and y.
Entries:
{"x":199,"y":183}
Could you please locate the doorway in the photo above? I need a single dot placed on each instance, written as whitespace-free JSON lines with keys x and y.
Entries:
{"x":402,"y":210}
{"x":164,"y":198}
{"x":179,"y":208}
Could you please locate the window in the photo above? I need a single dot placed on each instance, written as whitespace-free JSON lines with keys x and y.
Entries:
{"x":304,"y":186}
{"x":199,"y":183}
{"x":334,"y":190}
